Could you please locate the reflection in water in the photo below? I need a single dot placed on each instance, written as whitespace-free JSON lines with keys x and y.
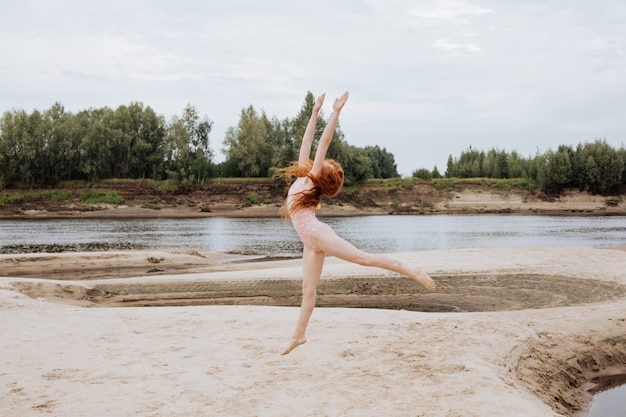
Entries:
{"x":270,"y":237}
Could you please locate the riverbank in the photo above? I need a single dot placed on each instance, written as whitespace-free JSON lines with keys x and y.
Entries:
{"x":531,"y":328}
{"x":240,"y":198}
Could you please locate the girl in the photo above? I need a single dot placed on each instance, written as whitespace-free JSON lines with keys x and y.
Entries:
{"x":325,"y":177}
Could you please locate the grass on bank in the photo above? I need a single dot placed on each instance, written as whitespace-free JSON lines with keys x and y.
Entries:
{"x":87,"y":197}
{"x":11,"y":198}
{"x":104,"y":192}
{"x":94,"y":197}
{"x":450,"y":184}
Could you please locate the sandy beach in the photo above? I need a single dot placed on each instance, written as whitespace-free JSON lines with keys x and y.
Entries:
{"x":511,"y":331}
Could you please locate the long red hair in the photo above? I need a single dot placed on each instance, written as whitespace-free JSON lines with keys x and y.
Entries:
{"x":327,"y":183}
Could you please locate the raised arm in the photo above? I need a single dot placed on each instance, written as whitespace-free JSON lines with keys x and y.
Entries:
{"x":309,"y":133}
{"x":327,"y":135}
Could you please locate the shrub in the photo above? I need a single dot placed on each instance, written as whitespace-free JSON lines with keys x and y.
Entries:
{"x":60,"y":195}
{"x":101,"y":197}
{"x":252,"y":199}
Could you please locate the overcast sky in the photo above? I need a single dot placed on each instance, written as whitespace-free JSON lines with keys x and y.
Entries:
{"x":426,"y":78}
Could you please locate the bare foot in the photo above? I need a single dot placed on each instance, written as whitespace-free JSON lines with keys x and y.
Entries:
{"x":295,"y":342}
{"x":423,"y":278}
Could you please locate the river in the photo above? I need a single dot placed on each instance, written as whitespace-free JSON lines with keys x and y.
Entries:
{"x":270,"y":237}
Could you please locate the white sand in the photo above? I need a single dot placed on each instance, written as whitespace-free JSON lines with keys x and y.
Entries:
{"x":63,"y":360}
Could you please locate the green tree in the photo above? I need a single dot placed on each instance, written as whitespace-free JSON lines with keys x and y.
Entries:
{"x":468,"y":165}
{"x":188,"y":156}
{"x":451,"y":168}
{"x":31,"y":141}
{"x":383,"y":164}
{"x":98,"y":143}
{"x":12,"y":131}
{"x":148,"y":154}
{"x":282,"y":142}
{"x":554,"y":171}
{"x":138,"y":137}
{"x":516,"y":166}
{"x":422,"y":173}
{"x":356,"y":163}
{"x":247,"y":146}
{"x":573,"y":176}
{"x":602,"y":167}
{"x":496,"y":164}
{"x":61,"y":162}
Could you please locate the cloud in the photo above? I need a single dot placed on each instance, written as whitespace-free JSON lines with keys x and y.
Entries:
{"x":450,"y":11}
{"x":104,"y":56}
{"x":453,"y":46}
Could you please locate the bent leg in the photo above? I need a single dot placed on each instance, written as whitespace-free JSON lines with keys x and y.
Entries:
{"x":327,"y":240}
{"x":312,"y":264}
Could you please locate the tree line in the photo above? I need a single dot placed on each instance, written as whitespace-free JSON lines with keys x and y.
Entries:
{"x":134,"y":142}
{"x":47,"y":147}
{"x":593,"y":166}
{"x":96,"y":144}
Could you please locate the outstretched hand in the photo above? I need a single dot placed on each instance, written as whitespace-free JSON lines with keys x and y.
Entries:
{"x":339,"y":102}
{"x":318,"y":103}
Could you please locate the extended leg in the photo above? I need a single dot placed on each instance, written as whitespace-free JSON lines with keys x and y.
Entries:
{"x":312,"y":264}
{"x":326,"y":240}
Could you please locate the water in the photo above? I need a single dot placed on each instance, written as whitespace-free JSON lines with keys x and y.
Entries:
{"x":270,"y":237}
{"x":609,"y":403}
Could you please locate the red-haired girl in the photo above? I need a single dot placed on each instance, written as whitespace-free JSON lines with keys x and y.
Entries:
{"x":313,"y":179}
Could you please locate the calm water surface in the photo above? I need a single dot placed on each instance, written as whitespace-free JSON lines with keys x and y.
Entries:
{"x":610,"y":403}
{"x":269,"y":236}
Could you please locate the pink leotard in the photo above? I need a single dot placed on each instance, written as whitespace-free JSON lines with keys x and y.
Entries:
{"x":304,"y":220}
